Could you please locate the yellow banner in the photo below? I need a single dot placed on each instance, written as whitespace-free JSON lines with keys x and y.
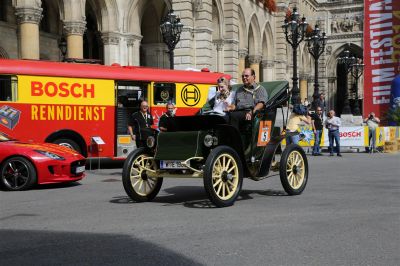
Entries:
{"x":59,"y":90}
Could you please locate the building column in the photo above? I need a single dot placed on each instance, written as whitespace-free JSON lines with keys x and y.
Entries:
{"x":74,"y":31}
{"x":133,"y":42}
{"x":111,"y":47}
{"x":28,"y":28}
{"x":242,"y":62}
{"x":254,"y":61}
{"x":219,"y":44}
{"x":330,"y":96}
{"x":267,"y":70}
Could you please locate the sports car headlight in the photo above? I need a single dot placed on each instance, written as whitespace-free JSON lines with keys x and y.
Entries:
{"x":51,"y":155}
{"x":150,"y":141}
{"x":208,"y":141}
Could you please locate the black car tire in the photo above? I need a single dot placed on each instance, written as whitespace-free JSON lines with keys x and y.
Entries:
{"x":223,"y":172}
{"x":17,"y":173}
{"x":137,"y":184}
{"x":69,"y":143}
{"x":293,"y":169}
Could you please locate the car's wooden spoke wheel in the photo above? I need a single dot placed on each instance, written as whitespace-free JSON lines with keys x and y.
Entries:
{"x":223,"y":176}
{"x":141,"y":183}
{"x":137,"y":183}
{"x":293,"y":169}
{"x":17,"y":173}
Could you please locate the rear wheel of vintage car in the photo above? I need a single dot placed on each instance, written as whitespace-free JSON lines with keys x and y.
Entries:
{"x":223,"y":176}
{"x":17,"y":173}
{"x":137,"y":184}
{"x":293,"y":169}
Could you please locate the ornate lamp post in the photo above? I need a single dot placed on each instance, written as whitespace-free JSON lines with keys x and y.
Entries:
{"x":171,"y":28}
{"x":347,"y":62}
{"x":316,"y":46}
{"x":294,"y":30}
{"x":356,"y":72}
{"x":62,"y":45}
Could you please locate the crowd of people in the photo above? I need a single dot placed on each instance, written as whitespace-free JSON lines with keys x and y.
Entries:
{"x":240,"y":106}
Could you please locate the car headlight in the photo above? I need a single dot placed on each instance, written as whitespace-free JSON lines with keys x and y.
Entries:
{"x":150,"y":141}
{"x":208,"y":141}
{"x":51,"y":155}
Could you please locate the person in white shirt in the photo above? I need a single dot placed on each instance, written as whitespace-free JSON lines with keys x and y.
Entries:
{"x":332,"y":123}
{"x":223,"y":100}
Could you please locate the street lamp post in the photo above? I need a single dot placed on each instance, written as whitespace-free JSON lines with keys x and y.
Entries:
{"x":171,"y":28}
{"x":294,"y":30}
{"x":356,"y":72}
{"x":316,"y":45}
{"x":347,"y":62}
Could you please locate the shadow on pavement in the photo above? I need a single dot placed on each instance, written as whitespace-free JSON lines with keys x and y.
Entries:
{"x":28,"y":247}
{"x":195,"y":197}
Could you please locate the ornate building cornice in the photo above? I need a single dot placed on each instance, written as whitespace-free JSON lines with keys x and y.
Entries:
{"x":132,"y":38}
{"x":219,"y":44}
{"x":346,"y":36}
{"x":28,"y":15}
{"x":110,"y":38}
{"x":243,"y":52}
{"x":255,"y":59}
{"x":74,"y":27}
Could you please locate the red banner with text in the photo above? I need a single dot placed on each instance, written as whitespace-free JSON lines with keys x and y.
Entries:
{"x":381,"y":53}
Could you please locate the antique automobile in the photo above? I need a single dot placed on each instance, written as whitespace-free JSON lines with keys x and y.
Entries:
{"x":23,"y":165}
{"x":206,"y":146}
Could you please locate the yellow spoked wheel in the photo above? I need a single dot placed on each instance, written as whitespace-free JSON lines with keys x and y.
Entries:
{"x":223,"y":176}
{"x":294,"y":169}
{"x":137,"y":184}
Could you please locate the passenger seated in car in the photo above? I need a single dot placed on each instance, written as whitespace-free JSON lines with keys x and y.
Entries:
{"x":248,"y":99}
{"x":222,"y":102}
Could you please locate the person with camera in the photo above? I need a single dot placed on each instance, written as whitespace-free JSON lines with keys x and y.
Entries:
{"x":372,"y":122}
{"x":332,"y":123}
{"x":298,"y":116}
{"x":317,"y":126}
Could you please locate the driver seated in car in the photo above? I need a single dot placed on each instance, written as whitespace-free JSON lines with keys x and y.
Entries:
{"x":248,"y":99}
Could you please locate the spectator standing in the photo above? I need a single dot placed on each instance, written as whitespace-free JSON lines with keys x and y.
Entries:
{"x":372,"y":122}
{"x":317,"y":125}
{"x":306,"y":103}
{"x":333,"y":123}
{"x":248,"y":99}
{"x":170,"y":112}
{"x":320,"y":102}
{"x":139,"y":126}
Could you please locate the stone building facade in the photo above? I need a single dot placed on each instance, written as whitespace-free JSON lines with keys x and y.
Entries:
{"x":222,"y":35}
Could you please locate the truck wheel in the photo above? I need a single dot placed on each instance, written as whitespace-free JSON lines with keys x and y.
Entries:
{"x":223,"y":176}
{"x":17,"y":173}
{"x":69,"y":144}
{"x":293,"y":169}
{"x":137,"y":184}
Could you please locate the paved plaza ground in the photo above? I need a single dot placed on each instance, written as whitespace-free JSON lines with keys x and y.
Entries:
{"x":349,"y":214}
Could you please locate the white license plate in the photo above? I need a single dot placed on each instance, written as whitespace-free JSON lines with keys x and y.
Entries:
{"x":172,"y":165}
{"x":79,"y":169}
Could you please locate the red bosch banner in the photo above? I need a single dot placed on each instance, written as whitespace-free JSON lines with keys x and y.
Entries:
{"x":381,"y":53}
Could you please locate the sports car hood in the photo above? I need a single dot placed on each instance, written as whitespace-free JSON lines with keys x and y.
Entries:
{"x":54,"y":148}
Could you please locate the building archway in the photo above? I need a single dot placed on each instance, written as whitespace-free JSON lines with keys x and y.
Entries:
{"x":92,"y":42}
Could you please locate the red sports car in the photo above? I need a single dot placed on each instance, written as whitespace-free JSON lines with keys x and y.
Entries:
{"x":23,"y":165}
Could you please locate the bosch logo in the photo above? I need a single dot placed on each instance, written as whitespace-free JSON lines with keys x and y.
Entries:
{"x":350,"y":134}
{"x":190,"y":95}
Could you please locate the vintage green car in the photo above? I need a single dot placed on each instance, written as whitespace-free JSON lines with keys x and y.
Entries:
{"x":206,"y":146}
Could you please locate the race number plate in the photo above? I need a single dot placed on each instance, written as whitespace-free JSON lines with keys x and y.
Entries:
{"x":172,"y":165}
